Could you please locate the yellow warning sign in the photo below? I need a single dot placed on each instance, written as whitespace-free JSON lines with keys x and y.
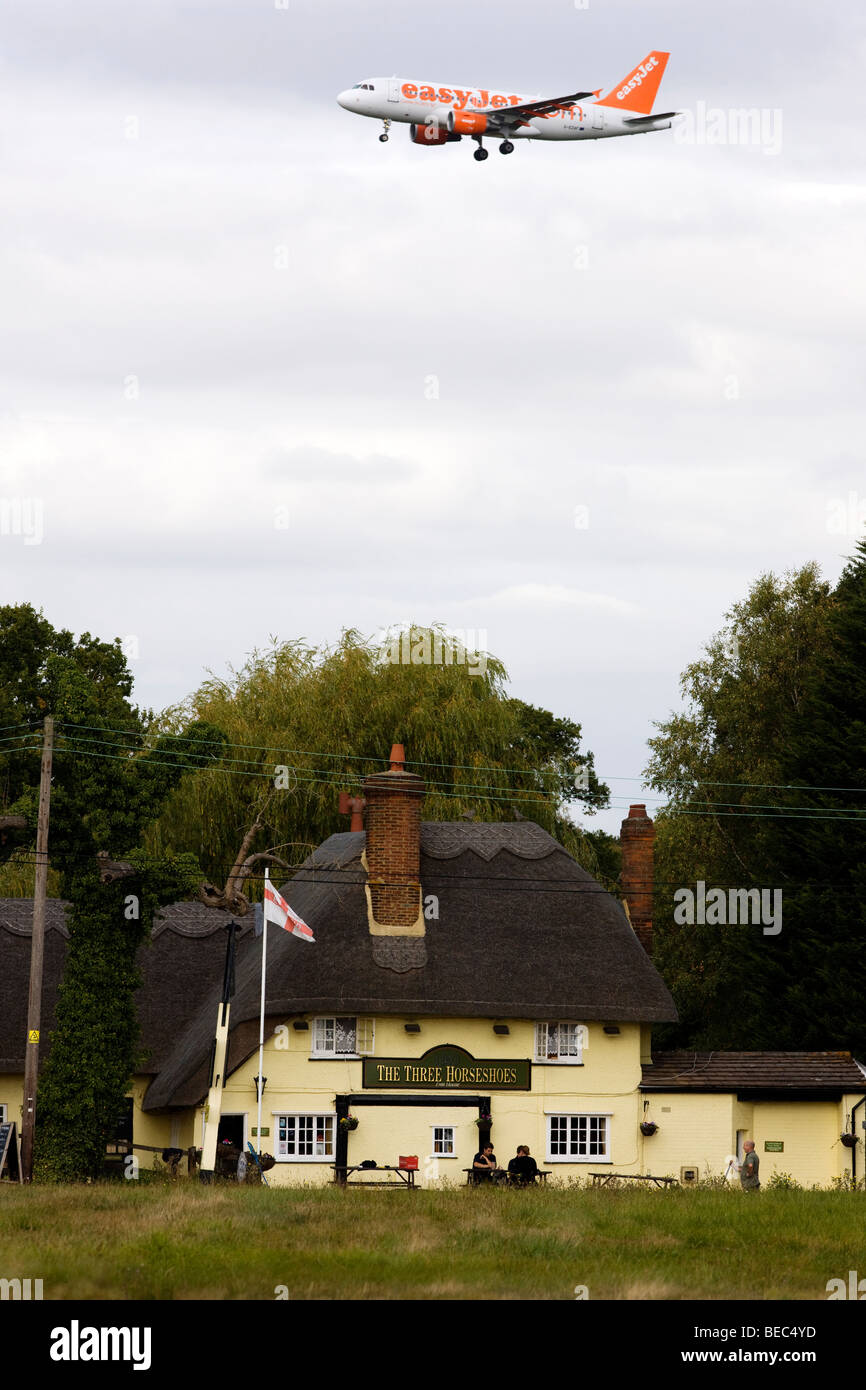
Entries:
{"x":33,"y":1035}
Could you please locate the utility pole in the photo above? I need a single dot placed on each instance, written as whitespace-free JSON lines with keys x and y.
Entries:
{"x":34,"y":1002}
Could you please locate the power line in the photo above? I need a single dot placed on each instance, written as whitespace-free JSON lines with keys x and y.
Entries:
{"x":466,"y":790}
{"x":479,"y":767}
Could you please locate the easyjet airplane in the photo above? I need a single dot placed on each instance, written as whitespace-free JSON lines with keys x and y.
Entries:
{"x":437,"y":115}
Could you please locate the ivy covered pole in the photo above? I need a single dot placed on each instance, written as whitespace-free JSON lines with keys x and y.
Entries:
{"x":37,"y":946}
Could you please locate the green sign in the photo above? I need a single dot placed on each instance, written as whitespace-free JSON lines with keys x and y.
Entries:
{"x":774,"y":1146}
{"x":447,"y":1068}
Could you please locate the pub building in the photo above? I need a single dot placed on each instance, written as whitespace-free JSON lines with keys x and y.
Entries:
{"x":467,"y":982}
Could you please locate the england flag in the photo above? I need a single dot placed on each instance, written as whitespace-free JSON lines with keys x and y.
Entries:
{"x":277,"y":910}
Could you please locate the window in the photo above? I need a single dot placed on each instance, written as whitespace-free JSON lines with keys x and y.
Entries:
{"x":443,"y":1141}
{"x":577,"y":1138}
{"x":305,"y":1138}
{"x":560,"y":1042}
{"x":342,"y":1037}
{"x":3,"y":1112}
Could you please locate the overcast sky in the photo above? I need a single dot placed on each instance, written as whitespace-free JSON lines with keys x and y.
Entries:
{"x":262,"y":374}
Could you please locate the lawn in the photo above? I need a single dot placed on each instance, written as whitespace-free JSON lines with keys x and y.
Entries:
{"x":184,"y":1241}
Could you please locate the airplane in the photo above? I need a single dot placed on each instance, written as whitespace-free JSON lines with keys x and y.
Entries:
{"x":438,"y":115}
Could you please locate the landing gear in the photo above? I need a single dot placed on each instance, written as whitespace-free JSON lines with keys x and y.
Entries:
{"x":506,"y":147}
{"x":481,"y":153}
{"x":384,"y":136}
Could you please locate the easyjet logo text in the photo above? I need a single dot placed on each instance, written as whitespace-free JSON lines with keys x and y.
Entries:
{"x":637,"y":77}
{"x":458,"y":98}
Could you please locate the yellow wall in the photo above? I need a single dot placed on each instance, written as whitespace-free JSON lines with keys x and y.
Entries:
{"x":11,"y":1095}
{"x":694,"y":1130}
{"x":606,"y":1083}
{"x":702,"y":1129}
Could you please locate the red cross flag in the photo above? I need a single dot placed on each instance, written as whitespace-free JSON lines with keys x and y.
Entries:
{"x":277,"y":910}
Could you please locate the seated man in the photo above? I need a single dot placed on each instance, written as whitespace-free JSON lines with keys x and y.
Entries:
{"x":523,"y":1169}
{"x":484,"y":1165}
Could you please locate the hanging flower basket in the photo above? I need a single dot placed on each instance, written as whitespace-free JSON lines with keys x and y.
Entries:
{"x":484,"y":1121}
{"x":849,"y":1140}
{"x":648,"y":1127}
{"x":349,"y":1122}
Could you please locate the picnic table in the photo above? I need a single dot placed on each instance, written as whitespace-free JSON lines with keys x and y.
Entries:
{"x":502,"y":1175}
{"x":605,"y":1179}
{"x":405,"y":1176}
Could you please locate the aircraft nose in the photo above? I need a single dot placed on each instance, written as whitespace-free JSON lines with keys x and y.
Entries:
{"x":345,"y":100}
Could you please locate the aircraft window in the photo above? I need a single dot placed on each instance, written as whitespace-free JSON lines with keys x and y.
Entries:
{"x":355,"y":86}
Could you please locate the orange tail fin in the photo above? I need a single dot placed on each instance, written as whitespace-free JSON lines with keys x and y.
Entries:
{"x":637,"y":92}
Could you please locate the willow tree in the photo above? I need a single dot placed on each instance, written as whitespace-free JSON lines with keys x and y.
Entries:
{"x":306,"y":723}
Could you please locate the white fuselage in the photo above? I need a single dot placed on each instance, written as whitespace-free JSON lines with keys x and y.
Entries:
{"x":428,"y":103}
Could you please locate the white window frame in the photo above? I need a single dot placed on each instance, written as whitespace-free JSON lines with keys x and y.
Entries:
{"x":329,"y":1116}
{"x":4,"y":1115}
{"x":542,"y":1042}
{"x":570,"y":1115}
{"x":453,"y":1129}
{"x":365,"y":1029}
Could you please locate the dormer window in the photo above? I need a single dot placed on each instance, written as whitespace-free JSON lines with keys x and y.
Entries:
{"x":342,"y":1036}
{"x":560,"y":1042}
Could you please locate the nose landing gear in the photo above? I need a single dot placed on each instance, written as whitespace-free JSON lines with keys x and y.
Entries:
{"x":384,"y":136}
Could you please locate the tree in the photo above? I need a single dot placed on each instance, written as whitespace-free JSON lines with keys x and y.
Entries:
{"x":305,"y":723}
{"x":820,"y":969}
{"x":720,"y":762}
{"x":109,"y":781}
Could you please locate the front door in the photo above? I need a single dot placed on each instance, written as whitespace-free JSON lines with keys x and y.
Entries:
{"x":394,"y":89}
{"x":232,"y":1129}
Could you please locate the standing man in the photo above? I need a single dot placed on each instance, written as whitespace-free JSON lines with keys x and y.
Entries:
{"x":749,"y":1168}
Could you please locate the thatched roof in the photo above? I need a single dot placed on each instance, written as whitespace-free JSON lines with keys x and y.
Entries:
{"x":184,"y":959}
{"x":522,"y":932}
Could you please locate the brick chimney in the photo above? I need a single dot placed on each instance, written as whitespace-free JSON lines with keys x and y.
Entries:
{"x":393,"y":824}
{"x":636,"y":838}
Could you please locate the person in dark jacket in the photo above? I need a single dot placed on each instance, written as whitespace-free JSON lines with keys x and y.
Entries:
{"x":749,"y":1168}
{"x":523,"y":1168}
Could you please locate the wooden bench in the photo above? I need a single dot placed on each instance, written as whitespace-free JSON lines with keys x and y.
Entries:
{"x":606,"y":1179}
{"x":405,"y":1176}
{"x":502,"y":1177}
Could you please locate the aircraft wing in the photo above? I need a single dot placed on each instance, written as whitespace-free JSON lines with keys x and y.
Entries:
{"x":508,"y":115}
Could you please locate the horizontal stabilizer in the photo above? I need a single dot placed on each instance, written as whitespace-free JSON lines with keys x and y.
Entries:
{"x":650,"y":120}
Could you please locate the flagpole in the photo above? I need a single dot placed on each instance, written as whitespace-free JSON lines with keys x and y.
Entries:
{"x":262,"y":1016}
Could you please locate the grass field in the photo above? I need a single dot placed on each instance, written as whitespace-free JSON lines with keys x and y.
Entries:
{"x":188,"y":1242}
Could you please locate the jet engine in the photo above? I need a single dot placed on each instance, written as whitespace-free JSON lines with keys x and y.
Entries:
{"x":467,"y":122}
{"x":430,"y":135}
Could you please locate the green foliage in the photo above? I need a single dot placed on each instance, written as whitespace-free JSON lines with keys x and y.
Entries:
{"x":783,"y":1182}
{"x":745,"y":700}
{"x":110,"y":779}
{"x":820,"y":967}
{"x":330,"y":715}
